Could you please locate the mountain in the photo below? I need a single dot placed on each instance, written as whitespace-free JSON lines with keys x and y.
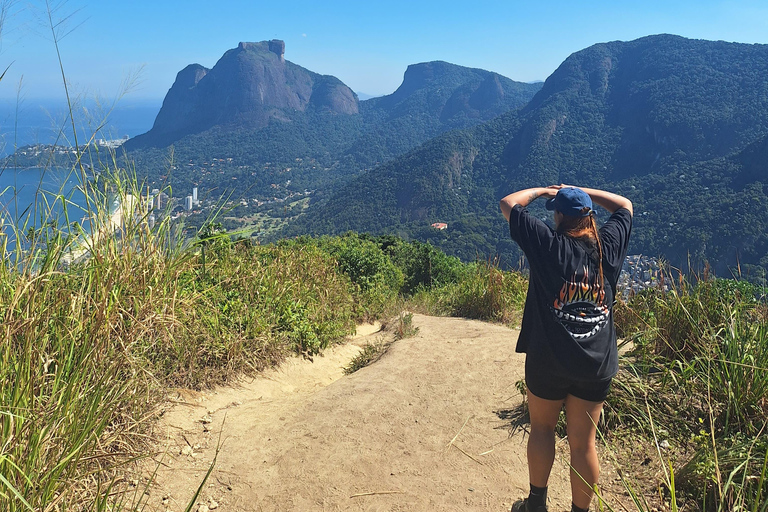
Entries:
{"x":248,"y":86}
{"x":677,"y":125}
{"x":434,"y":97}
{"x":447,"y":91}
{"x":282,"y":129}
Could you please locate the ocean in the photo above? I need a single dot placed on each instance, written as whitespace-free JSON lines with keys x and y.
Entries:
{"x":46,"y":122}
{"x":29,"y":197}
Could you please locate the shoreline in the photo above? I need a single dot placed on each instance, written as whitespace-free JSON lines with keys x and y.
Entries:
{"x":112,"y":225}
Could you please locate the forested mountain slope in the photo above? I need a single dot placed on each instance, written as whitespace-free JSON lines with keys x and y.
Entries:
{"x":677,"y":125}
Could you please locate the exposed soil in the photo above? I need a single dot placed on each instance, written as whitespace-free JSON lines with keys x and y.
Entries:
{"x":435,"y":424}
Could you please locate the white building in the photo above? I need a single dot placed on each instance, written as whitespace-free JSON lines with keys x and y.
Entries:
{"x":160,"y":199}
{"x":188,"y":203}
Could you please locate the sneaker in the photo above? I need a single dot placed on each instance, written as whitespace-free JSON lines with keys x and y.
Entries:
{"x":522,"y":506}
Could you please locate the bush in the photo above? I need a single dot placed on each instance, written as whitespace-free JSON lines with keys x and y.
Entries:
{"x":422,"y":265}
{"x":484,"y":292}
{"x":365,"y":263}
{"x":262,"y":300}
{"x":377,"y":279}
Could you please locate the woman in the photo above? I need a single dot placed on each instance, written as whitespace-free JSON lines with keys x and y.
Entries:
{"x":567,"y":330}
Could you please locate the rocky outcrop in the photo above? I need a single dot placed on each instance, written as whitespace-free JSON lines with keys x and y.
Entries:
{"x":249,"y":86}
{"x":181,"y":100}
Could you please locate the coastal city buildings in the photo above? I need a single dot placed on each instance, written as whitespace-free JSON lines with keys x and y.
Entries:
{"x":639,"y":273}
{"x":112,"y":143}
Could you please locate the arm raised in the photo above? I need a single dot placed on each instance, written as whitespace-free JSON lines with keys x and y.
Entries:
{"x":524,"y":198}
{"x":609,"y":200}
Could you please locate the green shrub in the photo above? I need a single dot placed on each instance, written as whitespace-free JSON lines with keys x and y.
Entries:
{"x":262,"y":300}
{"x":376,"y":278}
{"x":422,"y":265}
{"x":484,"y":292}
{"x":733,"y":475}
{"x":365,"y":263}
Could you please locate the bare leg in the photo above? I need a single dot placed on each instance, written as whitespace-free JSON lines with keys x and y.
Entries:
{"x":541,"y":442}
{"x":582,"y":417}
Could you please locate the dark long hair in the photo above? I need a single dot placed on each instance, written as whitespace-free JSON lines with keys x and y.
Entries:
{"x":584,"y":228}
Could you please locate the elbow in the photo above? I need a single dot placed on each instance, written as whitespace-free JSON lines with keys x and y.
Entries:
{"x":506,"y":207}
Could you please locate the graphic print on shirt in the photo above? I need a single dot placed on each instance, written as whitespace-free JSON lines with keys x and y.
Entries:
{"x":580,"y":306}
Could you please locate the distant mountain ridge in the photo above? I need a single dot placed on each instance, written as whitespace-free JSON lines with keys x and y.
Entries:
{"x":289,"y":129}
{"x":448,"y":89}
{"x":434,"y":97}
{"x":677,"y":125}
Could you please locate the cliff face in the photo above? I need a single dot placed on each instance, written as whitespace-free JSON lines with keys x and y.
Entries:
{"x":248,"y":86}
{"x":181,"y":100}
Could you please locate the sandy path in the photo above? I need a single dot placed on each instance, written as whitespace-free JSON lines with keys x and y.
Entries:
{"x":305,"y":437}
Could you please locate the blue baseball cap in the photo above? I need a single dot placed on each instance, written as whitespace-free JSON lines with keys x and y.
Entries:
{"x":571,"y":201}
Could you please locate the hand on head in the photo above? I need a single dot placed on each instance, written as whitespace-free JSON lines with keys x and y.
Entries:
{"x":550,"y":191}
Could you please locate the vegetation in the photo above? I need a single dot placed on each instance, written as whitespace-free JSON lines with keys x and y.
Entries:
{"x":89,"y":343}
{"x":86,"y":350}
{"x":697,"y":370}
{"x":88,"y":346}
{"x":99,"y":318}
{"x":679,"y":126}
{"x":318,"y":150}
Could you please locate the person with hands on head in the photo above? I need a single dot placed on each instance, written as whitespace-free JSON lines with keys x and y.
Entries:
{"x":567,"y":331}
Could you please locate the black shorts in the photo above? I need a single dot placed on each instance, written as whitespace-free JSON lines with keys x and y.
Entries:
{"x":549,"y":387}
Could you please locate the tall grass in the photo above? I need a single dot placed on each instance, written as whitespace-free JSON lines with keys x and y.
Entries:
{"x":699,"y":369}
{"x":75,"y":397}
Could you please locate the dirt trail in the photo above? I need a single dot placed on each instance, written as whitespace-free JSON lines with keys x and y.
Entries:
{"x":430,"y":426}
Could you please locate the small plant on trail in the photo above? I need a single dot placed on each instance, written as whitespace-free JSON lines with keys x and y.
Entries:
{"x":404,"y":328}
{"x":370,"y":353}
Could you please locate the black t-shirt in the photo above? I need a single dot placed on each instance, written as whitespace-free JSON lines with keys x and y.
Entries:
{"x":567,"y":324}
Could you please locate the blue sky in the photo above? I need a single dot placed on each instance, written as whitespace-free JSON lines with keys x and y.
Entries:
{"x":367,"y":45}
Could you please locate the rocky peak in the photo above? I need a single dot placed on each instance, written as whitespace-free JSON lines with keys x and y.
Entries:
{"x":190,"y":75}
{"x":276,"y":46}
{"x":250,"y":85}
{"x":419,"y":76}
